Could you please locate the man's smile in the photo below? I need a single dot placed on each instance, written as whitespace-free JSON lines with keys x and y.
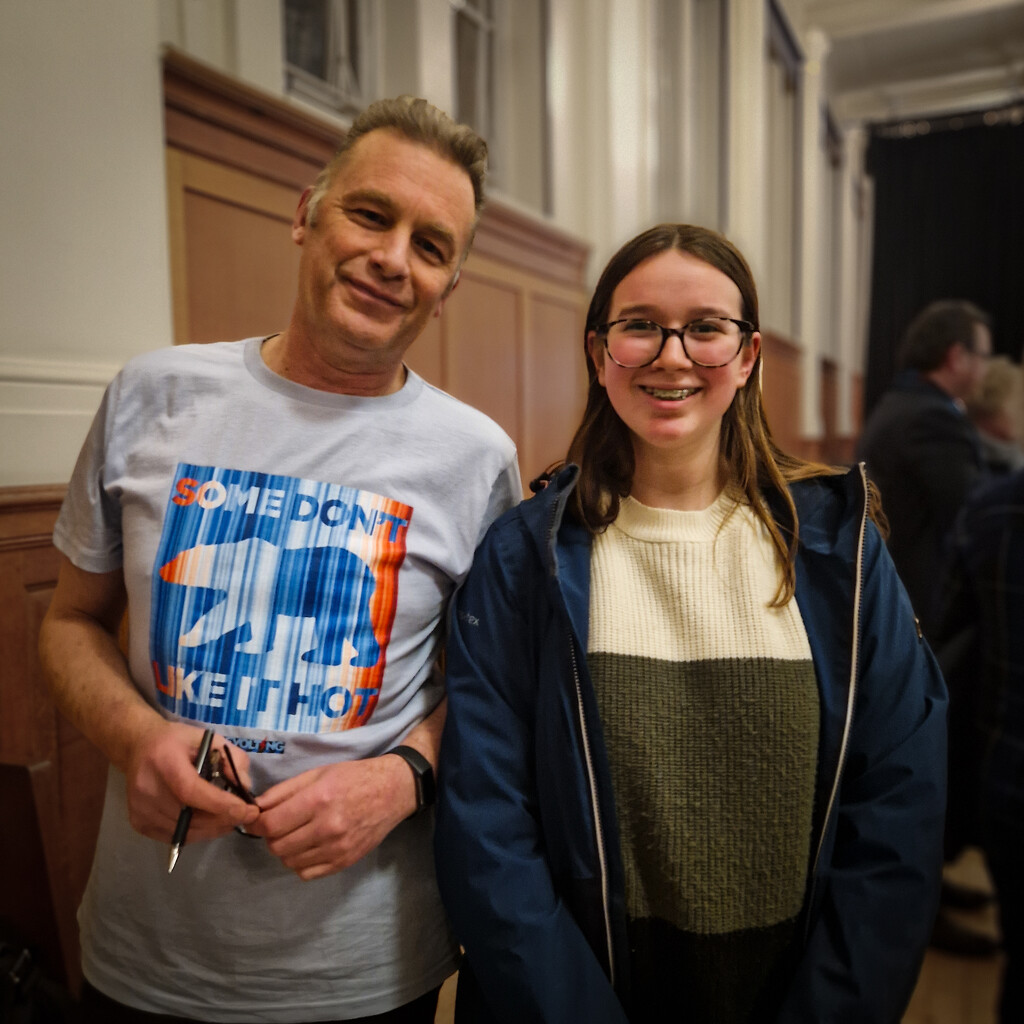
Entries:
{"x":368,"y":291}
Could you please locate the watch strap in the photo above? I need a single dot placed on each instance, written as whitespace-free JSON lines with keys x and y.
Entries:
{"x":422,"y":772}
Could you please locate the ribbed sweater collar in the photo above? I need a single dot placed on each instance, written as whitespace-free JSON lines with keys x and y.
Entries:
{"x":665,"y":525}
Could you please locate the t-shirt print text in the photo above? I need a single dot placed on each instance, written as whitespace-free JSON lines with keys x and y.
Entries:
{"x":273,"y":599}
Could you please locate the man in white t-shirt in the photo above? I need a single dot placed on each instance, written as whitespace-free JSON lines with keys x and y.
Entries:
{"x":284,"y":519}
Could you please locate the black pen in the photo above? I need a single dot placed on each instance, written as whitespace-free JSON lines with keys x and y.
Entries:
{"x":181,"y":829}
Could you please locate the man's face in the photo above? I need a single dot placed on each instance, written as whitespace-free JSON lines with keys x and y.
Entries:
{"x":389,"y":235}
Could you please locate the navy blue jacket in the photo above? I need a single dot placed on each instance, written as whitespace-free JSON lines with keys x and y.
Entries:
{"x":527,"y":846}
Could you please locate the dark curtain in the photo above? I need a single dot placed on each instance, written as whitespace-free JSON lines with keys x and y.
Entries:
{"x":949,"y":224}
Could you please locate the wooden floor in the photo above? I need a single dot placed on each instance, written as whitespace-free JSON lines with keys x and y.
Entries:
{"x":446,"y":1002}
{"x":960,"y":990}
{"x":955,"y":990}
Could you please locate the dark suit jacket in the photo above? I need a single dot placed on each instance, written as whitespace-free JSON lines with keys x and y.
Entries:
{"x":925,"y":456}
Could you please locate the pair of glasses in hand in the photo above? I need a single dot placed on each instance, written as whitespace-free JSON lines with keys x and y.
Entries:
{"x":214,"y":771}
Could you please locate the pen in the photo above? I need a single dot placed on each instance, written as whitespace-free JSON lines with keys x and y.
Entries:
{"x":181,"y":829}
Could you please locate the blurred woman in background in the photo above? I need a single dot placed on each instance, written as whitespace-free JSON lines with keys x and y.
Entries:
{"x":996,"y":410}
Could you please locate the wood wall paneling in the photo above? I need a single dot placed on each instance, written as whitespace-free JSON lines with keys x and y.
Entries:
{"x":555,"y":366}
{"x":780,"y":385}
{"x":426,"y":355}
{"x":482,"y":332}
{"x":211,"y":114}
{"x":51,"y":779}
{"x":240,"y":264}
{"x":237,"y":162}
{"x":856,"y":385}
{"x":837,"y":448}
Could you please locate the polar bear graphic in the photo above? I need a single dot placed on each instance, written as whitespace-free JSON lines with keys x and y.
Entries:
{"x":264,"y":586}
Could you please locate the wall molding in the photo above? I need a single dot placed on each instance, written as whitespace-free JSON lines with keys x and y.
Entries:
{"x":27,"y":514}
{"x":15,"y":370}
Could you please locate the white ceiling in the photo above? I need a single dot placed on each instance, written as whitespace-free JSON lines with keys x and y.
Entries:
{"x":890,"y":59}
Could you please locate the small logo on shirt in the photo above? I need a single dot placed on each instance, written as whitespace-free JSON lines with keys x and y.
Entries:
{"x":254,"y":746}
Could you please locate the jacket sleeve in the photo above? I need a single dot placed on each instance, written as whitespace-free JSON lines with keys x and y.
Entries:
{"x":528,"y":958}
{"x":876,"y":887}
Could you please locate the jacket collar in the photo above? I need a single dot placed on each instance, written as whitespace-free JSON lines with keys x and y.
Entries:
{"x":821,"y":503}
{"x":828,"y":508}
{"x":563,"y":546}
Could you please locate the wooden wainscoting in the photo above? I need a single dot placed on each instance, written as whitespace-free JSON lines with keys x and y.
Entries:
{"x":234,"y":264}
{"x":510,"y":343}
{"x":780,"y":385}
{"x":838,"y":447}
{"x":849,"y":444}
{"x":237,"y":162}
{"x":51,"y":779}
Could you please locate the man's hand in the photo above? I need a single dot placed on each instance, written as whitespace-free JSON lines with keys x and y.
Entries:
{"x":326,"y":819}
{"x":161,"y":779}
{"x":92,"y":687}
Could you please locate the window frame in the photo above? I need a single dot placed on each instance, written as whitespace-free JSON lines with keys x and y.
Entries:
{"x":352,"y":63}
{"x":486,"y":24}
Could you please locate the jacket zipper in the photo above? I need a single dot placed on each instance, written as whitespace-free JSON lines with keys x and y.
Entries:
{"x":602,"y":856}
{"x":852,"y":694}
{"x":598,"y":828}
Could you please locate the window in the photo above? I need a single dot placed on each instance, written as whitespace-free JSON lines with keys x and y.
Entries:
{"x":500,"y":56}
{"x":328,"y":47}
{"x":474,"y":64}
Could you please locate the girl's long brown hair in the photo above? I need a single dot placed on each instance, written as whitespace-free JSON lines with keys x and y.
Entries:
{"x":602,"y":446}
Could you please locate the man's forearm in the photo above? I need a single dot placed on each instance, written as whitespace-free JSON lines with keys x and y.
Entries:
{"x":91,"y":685}
{"x":426,"y":737}
{"x":87,"y":672}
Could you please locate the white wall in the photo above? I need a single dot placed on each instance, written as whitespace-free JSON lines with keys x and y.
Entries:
{"x":83,"y":263}
{"x":601,"y":69}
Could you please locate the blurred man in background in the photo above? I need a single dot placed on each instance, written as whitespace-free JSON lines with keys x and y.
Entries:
{"x":925,"y":455}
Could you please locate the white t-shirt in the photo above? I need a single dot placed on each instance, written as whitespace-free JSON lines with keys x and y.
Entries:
{"x":288,"y":555}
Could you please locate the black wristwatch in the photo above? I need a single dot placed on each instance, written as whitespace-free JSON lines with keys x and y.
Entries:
{"x":422,"y":772}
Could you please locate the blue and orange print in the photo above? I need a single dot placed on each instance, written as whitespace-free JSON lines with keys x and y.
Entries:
{"x":273,"y":600}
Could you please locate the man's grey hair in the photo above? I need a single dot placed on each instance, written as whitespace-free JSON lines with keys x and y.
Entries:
{"x":418,"y":121}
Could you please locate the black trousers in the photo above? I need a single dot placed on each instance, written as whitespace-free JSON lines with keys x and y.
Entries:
{"x":96,"y":1008}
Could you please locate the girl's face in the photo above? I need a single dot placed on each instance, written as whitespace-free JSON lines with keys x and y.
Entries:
{"x":673,"y":404}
